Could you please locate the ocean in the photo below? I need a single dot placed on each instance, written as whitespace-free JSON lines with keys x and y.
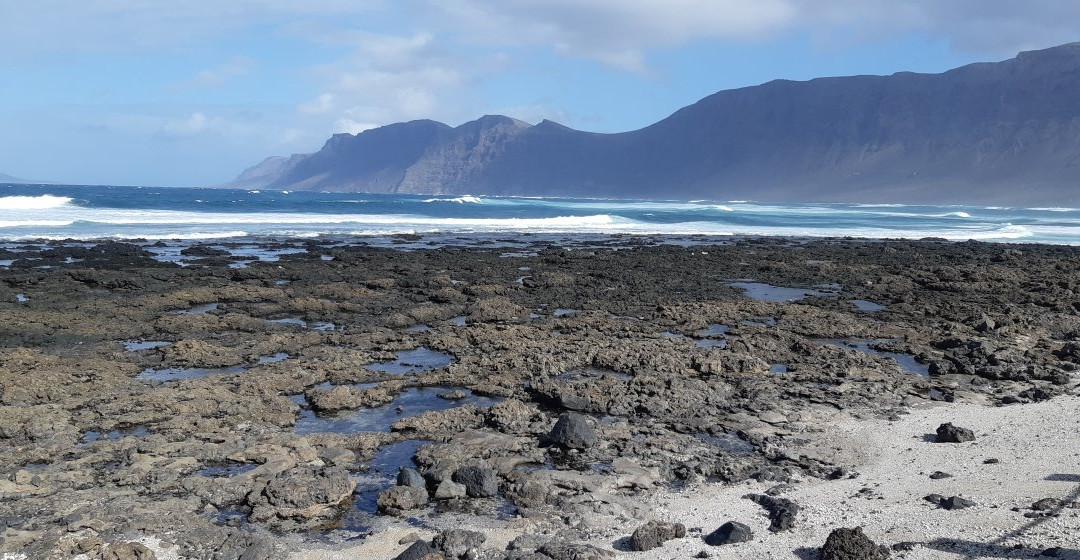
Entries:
{"x":30,"y":212}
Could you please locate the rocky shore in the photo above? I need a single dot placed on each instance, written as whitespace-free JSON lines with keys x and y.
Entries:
{"x":331,"y":399}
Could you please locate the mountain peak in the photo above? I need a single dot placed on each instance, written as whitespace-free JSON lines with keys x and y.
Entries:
{"x":969,"y":135}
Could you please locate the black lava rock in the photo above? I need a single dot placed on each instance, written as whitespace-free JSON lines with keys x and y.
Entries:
{"x":947,"y":433}
{"x":416,"y":551}
{"x":851,"y":544}
{"x":572,"y":431}
{"x":480,"y":482}
{"x":654,"y":534}
{"x":729,"y":533}
{"x":956,"y":502}
{"x":782,"y":511}
{"x":459,"y":543}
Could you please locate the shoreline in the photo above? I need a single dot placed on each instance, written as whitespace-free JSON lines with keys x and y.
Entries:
{"x":135,"y":391}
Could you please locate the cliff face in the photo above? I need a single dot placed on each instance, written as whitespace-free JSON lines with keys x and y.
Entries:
{"x":1006,"y":132}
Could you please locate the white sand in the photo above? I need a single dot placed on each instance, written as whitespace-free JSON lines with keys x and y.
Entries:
{"x":1038,"y":446}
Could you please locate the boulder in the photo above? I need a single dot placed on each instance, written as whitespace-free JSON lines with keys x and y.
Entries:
{"x":408,"y":476}
{"x":479,"y":482}
{"x":399,"y":499}
{"x":851,"y":544}
{"x":449,"y":490}
{"x":302,"y":496}
{"x":947,"y":433}
{"x":572,"y":431}
{"x":419,"y":550}
{"x":729,"y":533}
{"x":459,"y":543}
{"x":655,"y":533}
{"x":558,"y":550}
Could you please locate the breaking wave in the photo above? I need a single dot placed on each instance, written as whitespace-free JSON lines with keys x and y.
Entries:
{"x":33,"y":202}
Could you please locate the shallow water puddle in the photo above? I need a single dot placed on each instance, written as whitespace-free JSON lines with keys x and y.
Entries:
{"x":199,"y":310}
{"x":778,"y":369}
{"x":178,"y":374}
{"x":418,"y":328}
{"x":273,"y":358}
{"x":226,"y":471}
{"x":21,"y":298}
{"x":457,"y":321}
{"x":712,"y":336}
{"x":868,"y":306}
{"x":316,"y":325}
{"x":761,"y":291}
{"x":136,"y":345}
{"x":566,"y":312}
{"x":905,"y":361}
{"x":382,"y":472}
{"x":6,"y":262}
{"x":418,"y":359}
{"x":409,"y":403}
{"x":759,"y":322}
{"x":92,"y":436}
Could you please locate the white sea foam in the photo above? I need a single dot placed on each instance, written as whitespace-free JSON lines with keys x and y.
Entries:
{"x":1056,"y":209}
{"x":724,"y":208}
{"x":33,"y":202}
{"x":35,"y":223}
{"x":959,"y":214}
{"x":466,"y":199}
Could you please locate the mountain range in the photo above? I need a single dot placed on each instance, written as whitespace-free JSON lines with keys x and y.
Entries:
{"x":1001,"y":132}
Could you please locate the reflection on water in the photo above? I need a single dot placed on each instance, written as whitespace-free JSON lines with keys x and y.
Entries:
{"x":418,"y":359}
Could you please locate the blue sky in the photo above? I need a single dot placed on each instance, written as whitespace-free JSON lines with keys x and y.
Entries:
{"x":159,"y":92}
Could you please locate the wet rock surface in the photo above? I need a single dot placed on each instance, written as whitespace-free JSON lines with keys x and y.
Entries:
{"x":584,"y":384}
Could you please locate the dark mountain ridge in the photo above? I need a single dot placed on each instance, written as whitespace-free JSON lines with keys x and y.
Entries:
{"x":1004,"y":132}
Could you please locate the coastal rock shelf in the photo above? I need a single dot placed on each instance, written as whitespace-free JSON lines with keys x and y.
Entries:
{"x":260,"y":426}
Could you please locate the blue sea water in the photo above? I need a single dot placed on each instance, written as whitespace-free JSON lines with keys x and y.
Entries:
{"x":106,"y":212}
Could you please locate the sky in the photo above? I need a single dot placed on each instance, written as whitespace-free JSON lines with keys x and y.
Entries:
{"x":162,"y":92}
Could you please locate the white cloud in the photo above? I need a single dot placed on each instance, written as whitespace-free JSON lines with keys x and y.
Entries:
{"x":389,"y":78}
{"x":217,"y":76}
{"x":615,"y":32}
{"x":620,"y":33}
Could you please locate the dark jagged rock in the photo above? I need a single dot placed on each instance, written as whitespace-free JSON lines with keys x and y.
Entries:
{"x":400,"y":499}
{"x":479,"y":482}
{"x":852,"y":544}
{"x":572,"y":431}
{"x":729,"y":533}
{"x":947,"y":433}
{"x":459,"y":543}
{"x":782,"y":511}
{"x":956,"y":502}
{"x":568,"y":551}
{"x":419,"y":550}
{"x":654,"y":534}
